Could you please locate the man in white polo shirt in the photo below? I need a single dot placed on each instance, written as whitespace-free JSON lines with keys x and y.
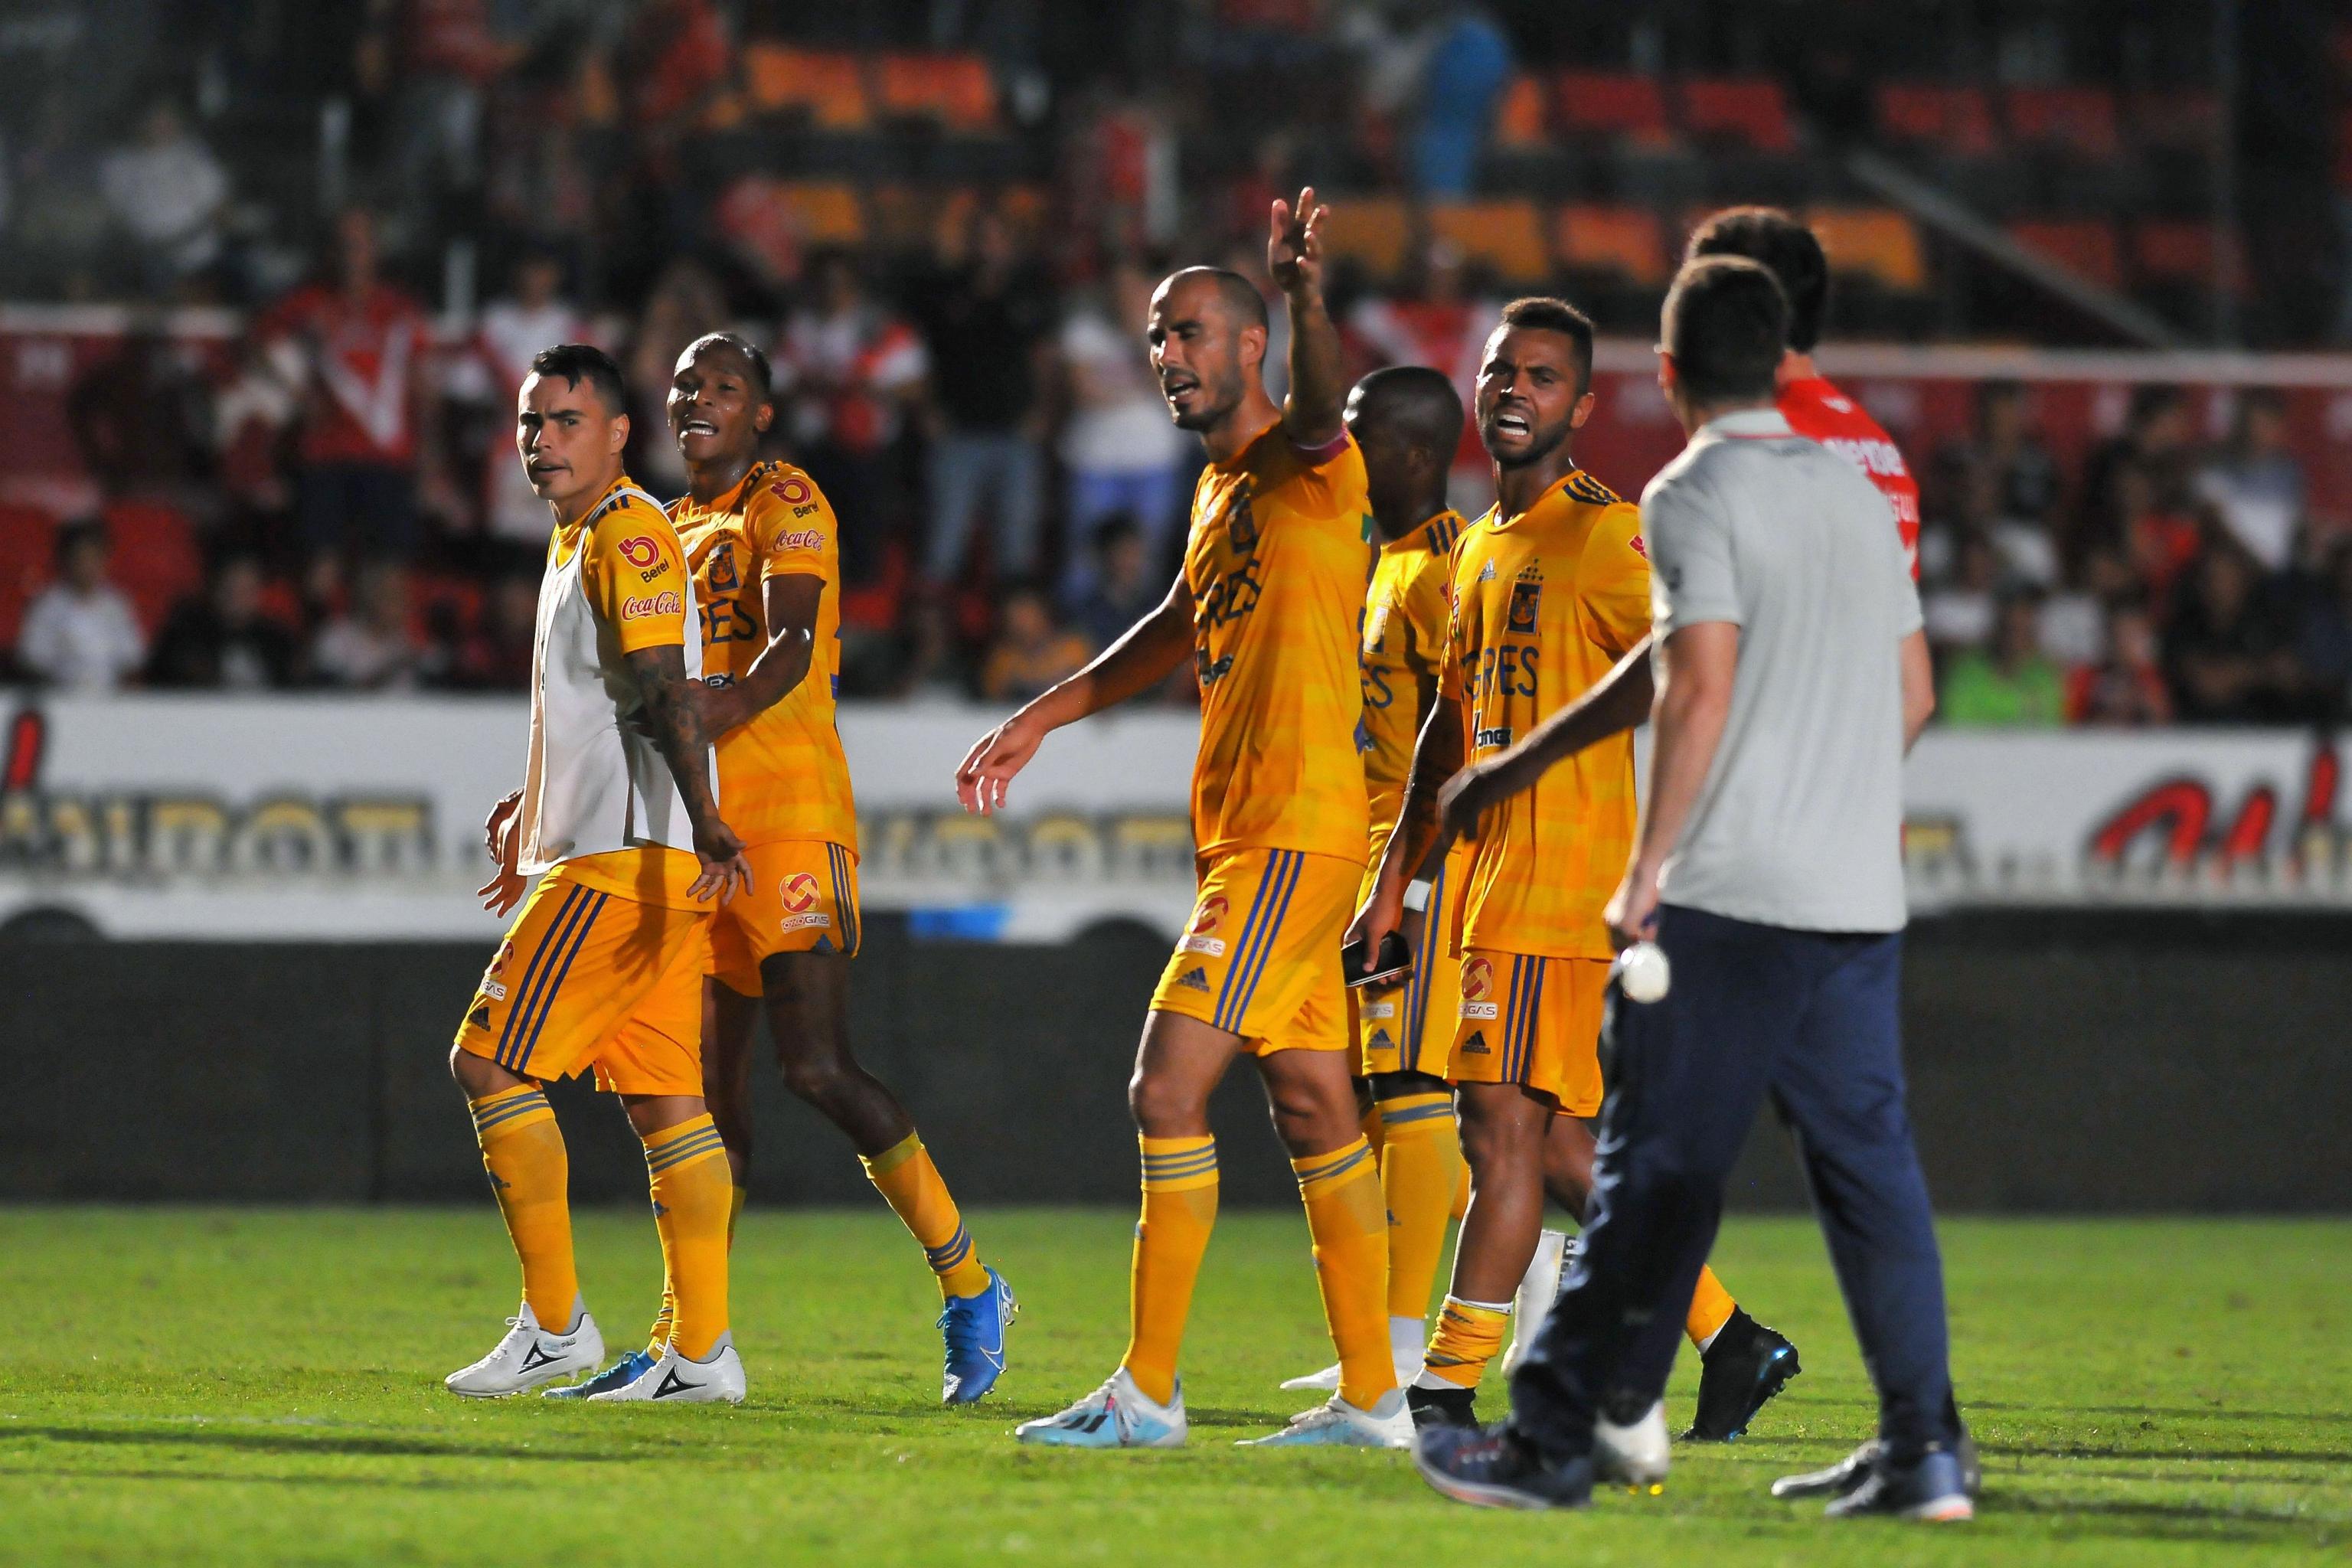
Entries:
{"x":1791,"y":675}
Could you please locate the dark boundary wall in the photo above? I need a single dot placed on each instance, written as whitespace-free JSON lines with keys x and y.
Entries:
{"x":2059,"y":1062}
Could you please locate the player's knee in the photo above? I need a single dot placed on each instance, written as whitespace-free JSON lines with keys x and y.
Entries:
{"x":817,"y":1077}
{"x":1163,"y":1108}
{"x":1305,"y":1115}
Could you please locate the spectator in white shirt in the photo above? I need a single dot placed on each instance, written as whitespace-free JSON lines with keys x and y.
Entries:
{"x":1123,"y":453}
{"x":79,"y":634}
{"x":532,"y":315}
{"x":167,"y":191}
{"x":2256,"y":484}
{"x":370,"y":646}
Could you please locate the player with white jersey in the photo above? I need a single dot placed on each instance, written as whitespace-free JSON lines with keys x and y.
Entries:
{"x":618,"y":818}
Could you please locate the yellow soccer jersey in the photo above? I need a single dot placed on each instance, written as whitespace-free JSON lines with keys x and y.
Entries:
{"x":1403,"y":643}
{"x":1544,"y":602}
{"x":1277,"y":560}
{"x":783,"y":775}
{"x":638,"y":583}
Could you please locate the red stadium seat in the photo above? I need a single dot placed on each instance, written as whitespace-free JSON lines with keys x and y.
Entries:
{"x":2181,"y":251}
{"x":1622,"y":242}
{"x":1748,"y":111}
{"x":1956,"y":121}
{"x":2079,"y":121}
{"x":1522,"y":122}
{"x":1612,"y":106}
{"x":874,"y":607}
{"x":155,"y":558}
{"x":27,"y":553}
{"x":2180,"y":120}
{"x":956,"y":90}
{"x":2085,"y":245}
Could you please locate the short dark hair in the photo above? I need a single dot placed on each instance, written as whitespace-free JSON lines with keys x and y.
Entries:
{"x":753,"y":355}
{"x":1235,"y":292}
{"x":1725,"y":322}
{"x":1542,"y":313}
{"x":1418,"y":403}
{"x":77,"y":534}
{"x":1786,"y":249}
{"x":576,"y":362}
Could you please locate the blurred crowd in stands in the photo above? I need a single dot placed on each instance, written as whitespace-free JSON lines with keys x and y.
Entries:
{"x":945,"y":219}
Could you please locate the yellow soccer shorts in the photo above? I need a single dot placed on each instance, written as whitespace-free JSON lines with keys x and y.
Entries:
{"x":1409,"y":1027}
{"x":587,"y":978}
{"x":1261,"y":957}
{"x":803,"y":898}
{"x":1534,"y":1022}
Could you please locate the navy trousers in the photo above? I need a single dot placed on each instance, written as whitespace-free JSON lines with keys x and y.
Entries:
{"x":1812,"y":1020}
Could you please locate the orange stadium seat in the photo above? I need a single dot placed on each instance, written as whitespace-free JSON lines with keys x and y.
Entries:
{"x":1623,"y":242}
{"x":1612,"y":105}
{"x":1505,"y":235}
{"x":830,"y":87}
{"x":1953,"y":120}
{"x":2087,"y":246}
{"x":954,"y":89}
{"x":2080,"y":121}
{"x":1522,"y":121}
{"x":1876,"y":243}
{"x":1372,"y":231}
{"x":27,"y":553}
{"x":1749,"y":111}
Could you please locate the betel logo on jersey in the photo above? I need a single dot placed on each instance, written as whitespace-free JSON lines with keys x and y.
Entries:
{"x":1201,"y":936}
{"x":1478,"y":989}
{"x":639,"y":551}
{"x":799,"y":895}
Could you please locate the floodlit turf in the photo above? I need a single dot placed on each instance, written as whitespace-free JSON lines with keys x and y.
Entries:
{"x":262,"y":1386}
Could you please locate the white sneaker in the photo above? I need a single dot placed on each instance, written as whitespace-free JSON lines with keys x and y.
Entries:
{"x":1117,"y":1415}
{"x":529,"y":1356}
{"x":1405,"y":1350}
{"x":674,"y":1380}
{"x":1636,"y":1455}
{"x":1387,"y":1425}
{"x":1532,"y":1302}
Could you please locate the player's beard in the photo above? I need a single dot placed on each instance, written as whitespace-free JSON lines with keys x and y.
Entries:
{"x":1542,"y":442}
{"x":1208,"y":416}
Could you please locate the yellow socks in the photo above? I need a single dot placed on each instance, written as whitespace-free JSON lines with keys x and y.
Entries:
{"x":659,"y":1336}
{"x":1348,"y":1222}
{"x":1180,"y":1209}
{"x":1420,"y":1154}
{"x":692,"y":1192}
{"x":906,"y":1176}
{"x":1711,"y":1307}
{"x":1469,"y":1335}
{"x":522,"y":1149}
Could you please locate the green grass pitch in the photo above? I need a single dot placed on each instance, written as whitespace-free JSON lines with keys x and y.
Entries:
{"x":263,"y":1386}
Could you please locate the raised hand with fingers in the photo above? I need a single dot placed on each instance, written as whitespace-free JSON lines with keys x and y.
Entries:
{"x":1293,"y":245}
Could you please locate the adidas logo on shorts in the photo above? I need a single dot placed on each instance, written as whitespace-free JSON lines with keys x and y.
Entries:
{"x":1475,"y":1046}
{"x":1380,"y":1041}
{"x":1196,"y":979}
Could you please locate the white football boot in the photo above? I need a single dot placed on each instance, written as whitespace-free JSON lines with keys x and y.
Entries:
{"x":1634,"y":1456}
{"x":1117,"y":1415}
{"x":1405,"y":1349}
{"x":717,"y":1378}
{"x":1532,"y":1302}
{"x":1335,"y":1421}
{"x":529,"y":1356}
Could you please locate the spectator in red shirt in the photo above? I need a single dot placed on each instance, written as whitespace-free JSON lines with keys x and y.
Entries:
{"x":359,"y":349}
{"x":2127,"y":686}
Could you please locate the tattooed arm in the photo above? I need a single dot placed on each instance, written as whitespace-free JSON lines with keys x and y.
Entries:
{"x":675,"y":723}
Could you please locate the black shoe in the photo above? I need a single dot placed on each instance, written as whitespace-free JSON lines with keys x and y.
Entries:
{"x":1489,"y":1467}
{"x":1848,"y":1474}
{"x":1745,"y":1365}
{"x":1930,"y":1489}
{"x":1441,"y":1407}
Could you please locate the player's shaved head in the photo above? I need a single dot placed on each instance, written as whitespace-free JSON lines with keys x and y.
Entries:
{"x":1244,"y":306}
{"x":1417,"y":404}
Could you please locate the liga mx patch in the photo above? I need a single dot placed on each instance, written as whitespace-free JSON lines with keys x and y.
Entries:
{"x":1478,"y":992}
{"x":1202,"y":935}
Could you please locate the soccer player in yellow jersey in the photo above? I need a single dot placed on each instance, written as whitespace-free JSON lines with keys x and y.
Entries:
{"x":1407,"y":422}
{"x":604,"y":966}
{"x":1550,"y":590}
{"x":763,"y":546}
{"x":1266,"y":605}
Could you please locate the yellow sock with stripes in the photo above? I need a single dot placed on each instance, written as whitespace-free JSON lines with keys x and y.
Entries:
{"x":659,"y":1334}
{"x":1346,"y":1216}
{"x":1421,"y":1151}
{"x":522,"y":1149}
{"x":692,"y":1189}
{"x":1711,"y":1307}
{"x":905,"y":1175}
{"x":1180,"y":1209}
{"x":1469,"y":1335}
